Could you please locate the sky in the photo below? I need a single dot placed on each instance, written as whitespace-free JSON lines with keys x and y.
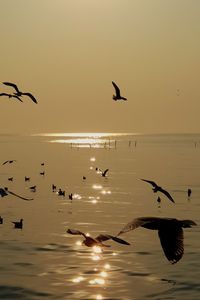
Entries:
{"x":67,"y":53}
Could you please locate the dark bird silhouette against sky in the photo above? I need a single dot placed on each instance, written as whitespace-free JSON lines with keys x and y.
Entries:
{"x":170,"y":233}
{"x":5,"y":192}
{"x":8,"y":162}
{"x":156,"y":188}
{"x":117,"y":95}
{"x":103,"y":173}
{"x":90,"y":242}
{"x":11,"y":96}
{"x":18,"y":93}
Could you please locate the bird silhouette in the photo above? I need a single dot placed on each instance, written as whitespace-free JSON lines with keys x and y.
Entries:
{"x":18,"y":93}
{"x":170,"y":233}
{"x":10,"y":178}
{"x":5,"y":192}
{"x":1,"y":220}
{"x":18,"y":224}
{"x":32,"y":188}
{"x":11,"y":96}
{"x":157,"y":188}
{"x":189,"y":192}
{"x":90,"y":242}
{"x":103,"y":173}
{"x":8,"y":162}
{"x":117,"y":95}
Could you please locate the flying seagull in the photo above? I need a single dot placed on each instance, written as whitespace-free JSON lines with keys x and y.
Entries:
{"x":19,"y":93}
{"x":117,"y":95}
{"x":5,"y":192}
{"x":170,"y":233}
{"x":90,"y":242}
{"x":103,"y":173}
{"x":11,"y":96}
{"x":8,"y":162}
{"x":157,"y":188}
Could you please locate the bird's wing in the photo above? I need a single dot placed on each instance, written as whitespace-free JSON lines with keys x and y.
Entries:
{"x":166,"y":193}
{"x":23,"y":198}
{"x":15,"y":96}
{"x":105,"y":237}
{"x":13,"y":85}
{"x":4,"y":94}
{"x":151,"y":182}
{"x":3,"y":192}
{"x":171,"y":239}
{"x":117,"y":90}
{"x":5,"y":162}
{"x":104,"y":173}
{"x":135,"y":223}
{"x":31,"y":96}
{"x":75,"y":232}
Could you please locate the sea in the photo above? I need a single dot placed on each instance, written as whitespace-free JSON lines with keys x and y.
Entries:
{"x":43,"y":261}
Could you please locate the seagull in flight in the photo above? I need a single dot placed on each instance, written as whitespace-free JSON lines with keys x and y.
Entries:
{"x":90,"y":242}
{"x":11,"y":96}
{"x":157,"y":188}
{"x":170,"y":232}
{"x":18,"y":93}
{"x":8,"y":162}
{"x":103,"y":173}
{"x":5,"y":192}
{"x":117,"y":95}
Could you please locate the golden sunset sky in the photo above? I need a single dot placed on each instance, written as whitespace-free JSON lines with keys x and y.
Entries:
{"x":67,"y":52}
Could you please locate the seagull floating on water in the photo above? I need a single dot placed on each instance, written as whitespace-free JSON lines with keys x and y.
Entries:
{"x":90,"y":242}
{"x":170,"y":233}
{"x":19,"y":224}
{"x":117,"y":95}
{"x":19,"y":93}
{"x":157,"y":188}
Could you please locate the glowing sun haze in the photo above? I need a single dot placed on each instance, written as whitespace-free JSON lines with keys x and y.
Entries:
{"x":67,"y":53}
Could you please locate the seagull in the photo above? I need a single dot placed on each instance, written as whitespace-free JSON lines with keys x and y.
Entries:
{"x":189,"y":192}
{"x":90,"y":242}
{"x":103,"y":173}
{"x":18,"y":224}
{"x":5,"y":192}
{"x":10,"y":178}
{"x":8,"y":162}
{"x":11,"y":96}
{"x":32,"y":188}
{"x":157,"y":188}
{"x":170,"y":233}
{"x":19,"y":93}
{"x":1,"y":220}
{"x":117,"y":95}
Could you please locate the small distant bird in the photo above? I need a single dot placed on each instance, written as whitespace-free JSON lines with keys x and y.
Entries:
{"x":11,"y":96}
{"x":53,"y":187}
{"x":117,"y":95}
{"x":90,"y":242}
{"x":33,"y":188}
{"x":42,"y":173}
{"x":10,"y":178}
{"x":19,"y":93}
{"x":19,"y":224}
{"x":61,"y":193}
{"x":42,"y":164}
{"x":189,"y":192}
{"x":157,"y":188}
{"x":27,"y":178}
{"x":84,"y":178}
{"x":70,"y":196}
{"x":170,"y":233}
{"x":5,"y":192}
{"x":1,"y":220}
{"x":103,"y":173}
{"x":159,"y":200}
{"x":8,"y":162}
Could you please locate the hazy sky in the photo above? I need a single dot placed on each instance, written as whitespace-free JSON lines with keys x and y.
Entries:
{"x":67,"y":52}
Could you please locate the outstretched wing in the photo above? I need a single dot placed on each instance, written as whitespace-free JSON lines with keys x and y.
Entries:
{"x":172,"y":242}
{"x":17,"y":97}
{"x":166,"y":193}
{"x":135,"y":223}
{"x":105,"y":237}
{"x":30,"y":96}
{"x":104,"y":173}
{"x":117,"y":90}
{"x":75,"y":232}
{"x":5,"y":162}
{"x":13,"y":85}
{"x":151,"y":182}
{"x":23,"y":198}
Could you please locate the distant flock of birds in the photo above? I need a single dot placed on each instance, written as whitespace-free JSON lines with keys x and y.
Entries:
{"x":170,"y":230}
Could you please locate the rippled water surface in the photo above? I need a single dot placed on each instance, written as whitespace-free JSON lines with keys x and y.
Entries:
{"x":42,"y":261}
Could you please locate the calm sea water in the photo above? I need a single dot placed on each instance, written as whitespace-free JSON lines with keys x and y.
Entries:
{"x":42,"y":261}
